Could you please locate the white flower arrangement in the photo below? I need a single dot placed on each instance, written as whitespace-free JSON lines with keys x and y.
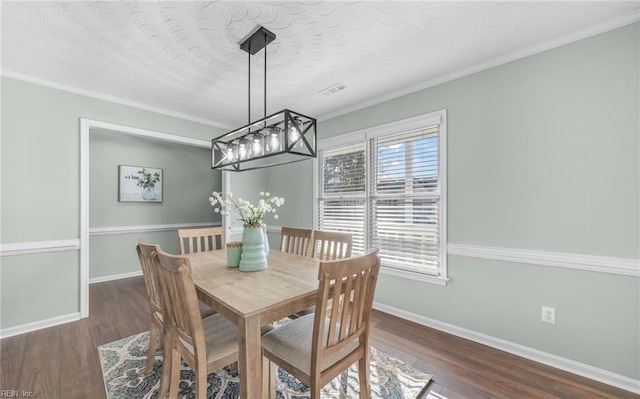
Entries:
{"x":250,"y":214}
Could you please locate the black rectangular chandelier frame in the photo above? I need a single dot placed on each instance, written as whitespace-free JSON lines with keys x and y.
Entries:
{"x":281,"y":138}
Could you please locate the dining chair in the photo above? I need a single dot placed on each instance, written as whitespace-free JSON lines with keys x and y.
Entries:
{"x":318,"y":347}
{"x":327,"y":245}
{"x":295,"y":241}
{"x":200,"y":240}
{"x":298,"y":242}
{"x":206,"y":344}
{"x":146,"y":255}
{"x":146,"y":252}
{"x":331,"y":245}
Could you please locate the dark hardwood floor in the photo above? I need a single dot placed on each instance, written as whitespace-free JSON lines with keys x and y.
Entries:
{"x":62,"y":362}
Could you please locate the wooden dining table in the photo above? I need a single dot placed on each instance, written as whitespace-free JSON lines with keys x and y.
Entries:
{"x":254,"y":299}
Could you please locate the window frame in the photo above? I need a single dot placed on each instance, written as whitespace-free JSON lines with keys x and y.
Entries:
{"x":364,"y":136}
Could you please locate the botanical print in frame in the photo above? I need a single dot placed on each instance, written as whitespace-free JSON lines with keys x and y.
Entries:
{"x":139,"y":184}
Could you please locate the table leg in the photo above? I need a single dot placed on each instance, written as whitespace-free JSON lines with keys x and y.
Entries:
{"x":250,"y":358}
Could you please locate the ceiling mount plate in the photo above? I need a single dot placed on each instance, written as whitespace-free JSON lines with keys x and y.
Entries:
{"x":257,"y":41}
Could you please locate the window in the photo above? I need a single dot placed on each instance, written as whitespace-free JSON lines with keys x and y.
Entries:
{"x":386,"y":186}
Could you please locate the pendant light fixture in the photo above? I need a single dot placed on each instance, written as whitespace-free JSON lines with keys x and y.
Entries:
{"x":277,"y":139}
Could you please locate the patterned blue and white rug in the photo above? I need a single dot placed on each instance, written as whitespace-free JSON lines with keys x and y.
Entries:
{"x":123,"y":364}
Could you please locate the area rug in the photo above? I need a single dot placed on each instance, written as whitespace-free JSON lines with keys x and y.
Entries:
{"x":123,"y":364}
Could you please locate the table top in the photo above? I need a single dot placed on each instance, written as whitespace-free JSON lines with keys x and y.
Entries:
{"x":289,"y":284}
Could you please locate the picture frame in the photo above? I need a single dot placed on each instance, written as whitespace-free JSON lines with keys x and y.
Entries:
{"x":140,"y":184}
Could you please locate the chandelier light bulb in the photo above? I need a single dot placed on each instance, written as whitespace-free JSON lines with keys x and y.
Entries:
{"x":256,"y":145}
{"x":294,"y":135}
{"x":230,"y":154}
{"x":274,"y":143}
{"x":242,"y":151}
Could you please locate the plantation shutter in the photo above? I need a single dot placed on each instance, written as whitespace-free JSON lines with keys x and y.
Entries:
{"x":404,"y":199}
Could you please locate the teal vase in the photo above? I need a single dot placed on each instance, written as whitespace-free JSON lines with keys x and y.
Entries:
{"x":266,"y":241}
{"x":253,"y":257}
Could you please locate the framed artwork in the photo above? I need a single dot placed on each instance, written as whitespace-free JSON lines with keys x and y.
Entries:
{"x":139,"y":184}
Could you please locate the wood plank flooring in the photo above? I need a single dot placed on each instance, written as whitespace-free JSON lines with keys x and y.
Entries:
{"x":62,"y":362}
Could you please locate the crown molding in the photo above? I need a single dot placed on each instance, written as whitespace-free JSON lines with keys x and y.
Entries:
{"x":611,"y":24}
{"x":105,"y":97}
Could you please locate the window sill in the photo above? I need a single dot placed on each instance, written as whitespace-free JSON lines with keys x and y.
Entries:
{"x":425,"y":278}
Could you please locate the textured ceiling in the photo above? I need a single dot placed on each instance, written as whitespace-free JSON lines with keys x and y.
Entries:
{"x":184,"y":58}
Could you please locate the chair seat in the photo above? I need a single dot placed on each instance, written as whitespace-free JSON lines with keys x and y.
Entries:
{"x":292,"y":343}
{"x":221,"y":337}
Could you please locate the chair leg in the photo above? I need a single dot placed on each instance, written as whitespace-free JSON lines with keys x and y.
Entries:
{"x":363,"y":376}
{"x":273,"y":380}
{"x":201,"y":382}
{"x":175,"y":374}
{"x":314,"y":391}
{"x":153,"y":346}
{"x":267,"y":385}
{"x":166,"y":366}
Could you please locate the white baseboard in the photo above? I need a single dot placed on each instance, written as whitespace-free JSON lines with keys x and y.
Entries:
{"x":572,"y":366}
{"x":112,"y":277}
{"x":38,"y":325}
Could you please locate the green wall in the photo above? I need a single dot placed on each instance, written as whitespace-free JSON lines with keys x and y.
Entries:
{"x":188,"y":182}
{"x":542,"y":155}
{"x":41,"y":192}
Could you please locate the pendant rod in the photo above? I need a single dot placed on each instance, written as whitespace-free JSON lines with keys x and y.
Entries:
{"x":249,"y":91}
{"x":265,"y":76}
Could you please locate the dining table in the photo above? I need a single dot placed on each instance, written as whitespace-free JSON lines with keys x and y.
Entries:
{"x":255,"y":299}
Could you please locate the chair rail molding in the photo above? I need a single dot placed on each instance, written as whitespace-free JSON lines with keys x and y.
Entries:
{"x":593,"y":263}
{"x":37,"y":247}
{"x":101,"y":231}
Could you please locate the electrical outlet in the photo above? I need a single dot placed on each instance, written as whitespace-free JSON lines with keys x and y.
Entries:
{"x":548,"y":315}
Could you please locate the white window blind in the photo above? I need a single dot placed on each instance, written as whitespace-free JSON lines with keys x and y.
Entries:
{"x":386,"y":189}
{"x":343,"y":188}
{"x":404,"y":199}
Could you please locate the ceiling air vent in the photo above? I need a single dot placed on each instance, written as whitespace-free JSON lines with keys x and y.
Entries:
{"x":333,"y":89}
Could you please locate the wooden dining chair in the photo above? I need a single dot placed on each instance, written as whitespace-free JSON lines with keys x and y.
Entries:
{"x":317,"y":348}
{"x":327,"y":245}
{"x":200,"y":240}
{"x":146,"y":252}
{"x":295,"y":241}
{"x":331,"y":245}
{"x":205,"y":344}
{"x":146,"y":255}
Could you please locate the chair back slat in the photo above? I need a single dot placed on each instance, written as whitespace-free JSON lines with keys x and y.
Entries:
{"x":179,"y":293}
{"x":200,"y":240}
{"x":330,"y":245}
{"x":345,"y":298}
{"x":295,"y":241}
{"x":146,"y":253}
